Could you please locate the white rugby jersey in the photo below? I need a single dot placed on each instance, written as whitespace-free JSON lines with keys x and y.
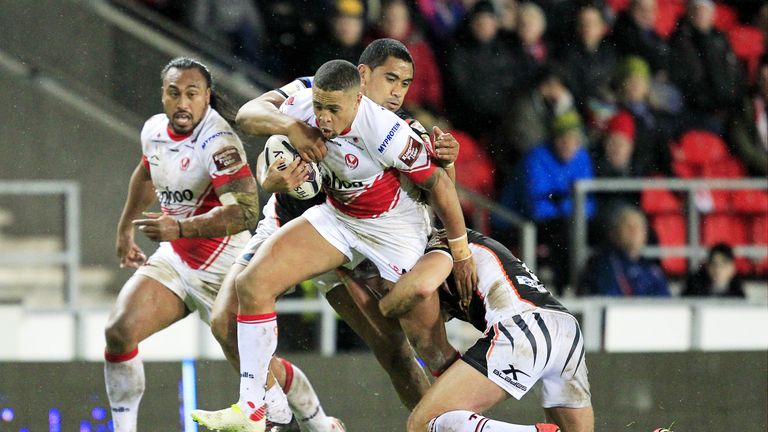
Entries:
{"x":362,"y":167}
{"x":185,"y":169}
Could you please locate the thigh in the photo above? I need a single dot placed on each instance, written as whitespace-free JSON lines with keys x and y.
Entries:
{"x":461,"y":387}
{"x":144,"y":307}
{"x":295,"y":253}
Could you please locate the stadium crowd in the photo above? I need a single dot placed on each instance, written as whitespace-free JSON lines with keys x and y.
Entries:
{"x":543,"y":93}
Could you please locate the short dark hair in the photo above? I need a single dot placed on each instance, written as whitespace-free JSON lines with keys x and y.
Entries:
{"x":723,"y":249}
{"x":337,"y":75}
{"x":378,"y":51}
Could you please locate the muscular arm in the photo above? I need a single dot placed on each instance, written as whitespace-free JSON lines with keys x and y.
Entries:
{"x":261,"y":116}
{"x":416,"y":285}
{"x":141,"y":194}
{"x":445,"y":203}
{"x":239,"y":212}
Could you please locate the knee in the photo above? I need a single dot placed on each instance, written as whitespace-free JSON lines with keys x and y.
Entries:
{"x":253,"y":285}
{"x":119,"y":337}
{"x":417,"y":422}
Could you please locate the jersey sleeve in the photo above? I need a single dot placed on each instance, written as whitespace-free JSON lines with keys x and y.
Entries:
{"x":298,"y":105}
{"x":223,"y":154}
{"x":407,"y":153}
{"x":295,"y":86}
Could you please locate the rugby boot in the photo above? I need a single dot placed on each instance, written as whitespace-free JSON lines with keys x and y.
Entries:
{"x":547,"y":427}
{"x":231,"y":419}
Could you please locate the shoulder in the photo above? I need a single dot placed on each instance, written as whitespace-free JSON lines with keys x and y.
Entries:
{"x":155,"y":123}
{"x":215,"y":130}
{"x":298,"y":103}
{"x":383,"y":129}
{"x":295,"y":86}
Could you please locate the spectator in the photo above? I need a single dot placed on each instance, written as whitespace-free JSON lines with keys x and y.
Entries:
{"x":619,"y":270}
{"x":540,"y":189}
{"x":236,"y":21}
{"x":530,"y":50}
{"x":346,"y":43}
{"x":704,"y":67}
{"x":634,"y":34}
{"x":748,"y":132}
{"x":527,"y":122}
{"x":653,"y":129}
{"x":442,"y":16}
{"x":482,"y":73}
{"x":426,"y":91}
{"x":717,"y":277}
{"x":590,"y":61}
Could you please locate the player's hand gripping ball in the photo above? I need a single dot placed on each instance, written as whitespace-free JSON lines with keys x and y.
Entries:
{"x":277,"y":146}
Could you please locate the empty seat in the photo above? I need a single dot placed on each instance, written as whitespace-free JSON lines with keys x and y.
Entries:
{"x":699,"y":147}
{"x":670,"y":229}
{"x":723,"y":228}
{"x":748,"y":44}
{"x":657,"y":201}
{"x":750,"y":201}
{"x":726,"y":17}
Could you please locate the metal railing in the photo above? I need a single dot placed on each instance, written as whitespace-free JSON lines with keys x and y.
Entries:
{"x":70,"y":256}
{"x":579,"y":250}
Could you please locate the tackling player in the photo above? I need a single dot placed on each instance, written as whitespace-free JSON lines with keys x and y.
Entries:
{"x":194,"y":164}
{"x":528,"y":336}
{"x":367,"y":214}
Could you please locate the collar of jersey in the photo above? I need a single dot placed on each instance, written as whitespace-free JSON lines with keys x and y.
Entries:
{"x":177,"y":137}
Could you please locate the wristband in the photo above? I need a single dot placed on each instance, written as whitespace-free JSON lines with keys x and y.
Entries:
{"x":178,"y":224}
{"x":462,"y":237}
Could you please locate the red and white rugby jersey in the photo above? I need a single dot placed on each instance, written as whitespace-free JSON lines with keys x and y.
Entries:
{"x":362,"y":167}
{"x":185,"y":169}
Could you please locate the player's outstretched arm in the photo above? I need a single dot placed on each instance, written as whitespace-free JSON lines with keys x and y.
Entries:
{"x":261,"y":116}
{"x":445,"y":203}
{"x":141,"y":194}
{"x":416,"y":285}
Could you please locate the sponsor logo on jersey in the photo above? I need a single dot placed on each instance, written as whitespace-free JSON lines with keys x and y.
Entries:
{"x":214,"y":136}
{"x":525,"y":280}
{"x":411,"y":152}
{"x":227,"y":157}
{"x":184,"y":163}
{"x":335,"y":182}
{"x":389,"y":137}
{"x":351,"y":161}
{"x":168,"y":196}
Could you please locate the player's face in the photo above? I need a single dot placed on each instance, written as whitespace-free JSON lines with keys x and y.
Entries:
{"x":335,"y":110}
{"x":388,"y":83}
{"x":186,"y":96}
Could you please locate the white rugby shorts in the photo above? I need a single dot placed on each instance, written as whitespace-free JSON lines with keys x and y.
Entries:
{"x":393,"y":241}
{"x":196,"y":288}
{"x":540,"y":344}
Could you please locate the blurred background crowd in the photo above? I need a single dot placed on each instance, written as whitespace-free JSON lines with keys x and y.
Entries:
{"x":543,"y":93}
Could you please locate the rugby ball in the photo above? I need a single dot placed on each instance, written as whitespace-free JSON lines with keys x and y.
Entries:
{"x":277,"y":147}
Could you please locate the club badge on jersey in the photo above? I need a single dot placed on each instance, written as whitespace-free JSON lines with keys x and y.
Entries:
{"x":277,"y":147}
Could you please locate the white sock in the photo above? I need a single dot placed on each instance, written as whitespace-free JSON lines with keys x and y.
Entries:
{"x":257,"y":342}
{"x":124,"y":379}
{"x":304,"y":401}
{"x":278,"y":410}
{"x":467,"y":421}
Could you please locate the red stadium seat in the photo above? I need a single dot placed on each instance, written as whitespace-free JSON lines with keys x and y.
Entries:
{"x":726,"y":17}
{"x":667,"y":15}
{"x":670,"y":228}
{"x":728,"y":167}
{"x":617,"y":5}
{"x":699,"y":147}
{"x":723,"y":228}
{"x":759,"y":236}
{"x":748,"y":44}
{"x":750,"y":201}
{"x":657,"y":201}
